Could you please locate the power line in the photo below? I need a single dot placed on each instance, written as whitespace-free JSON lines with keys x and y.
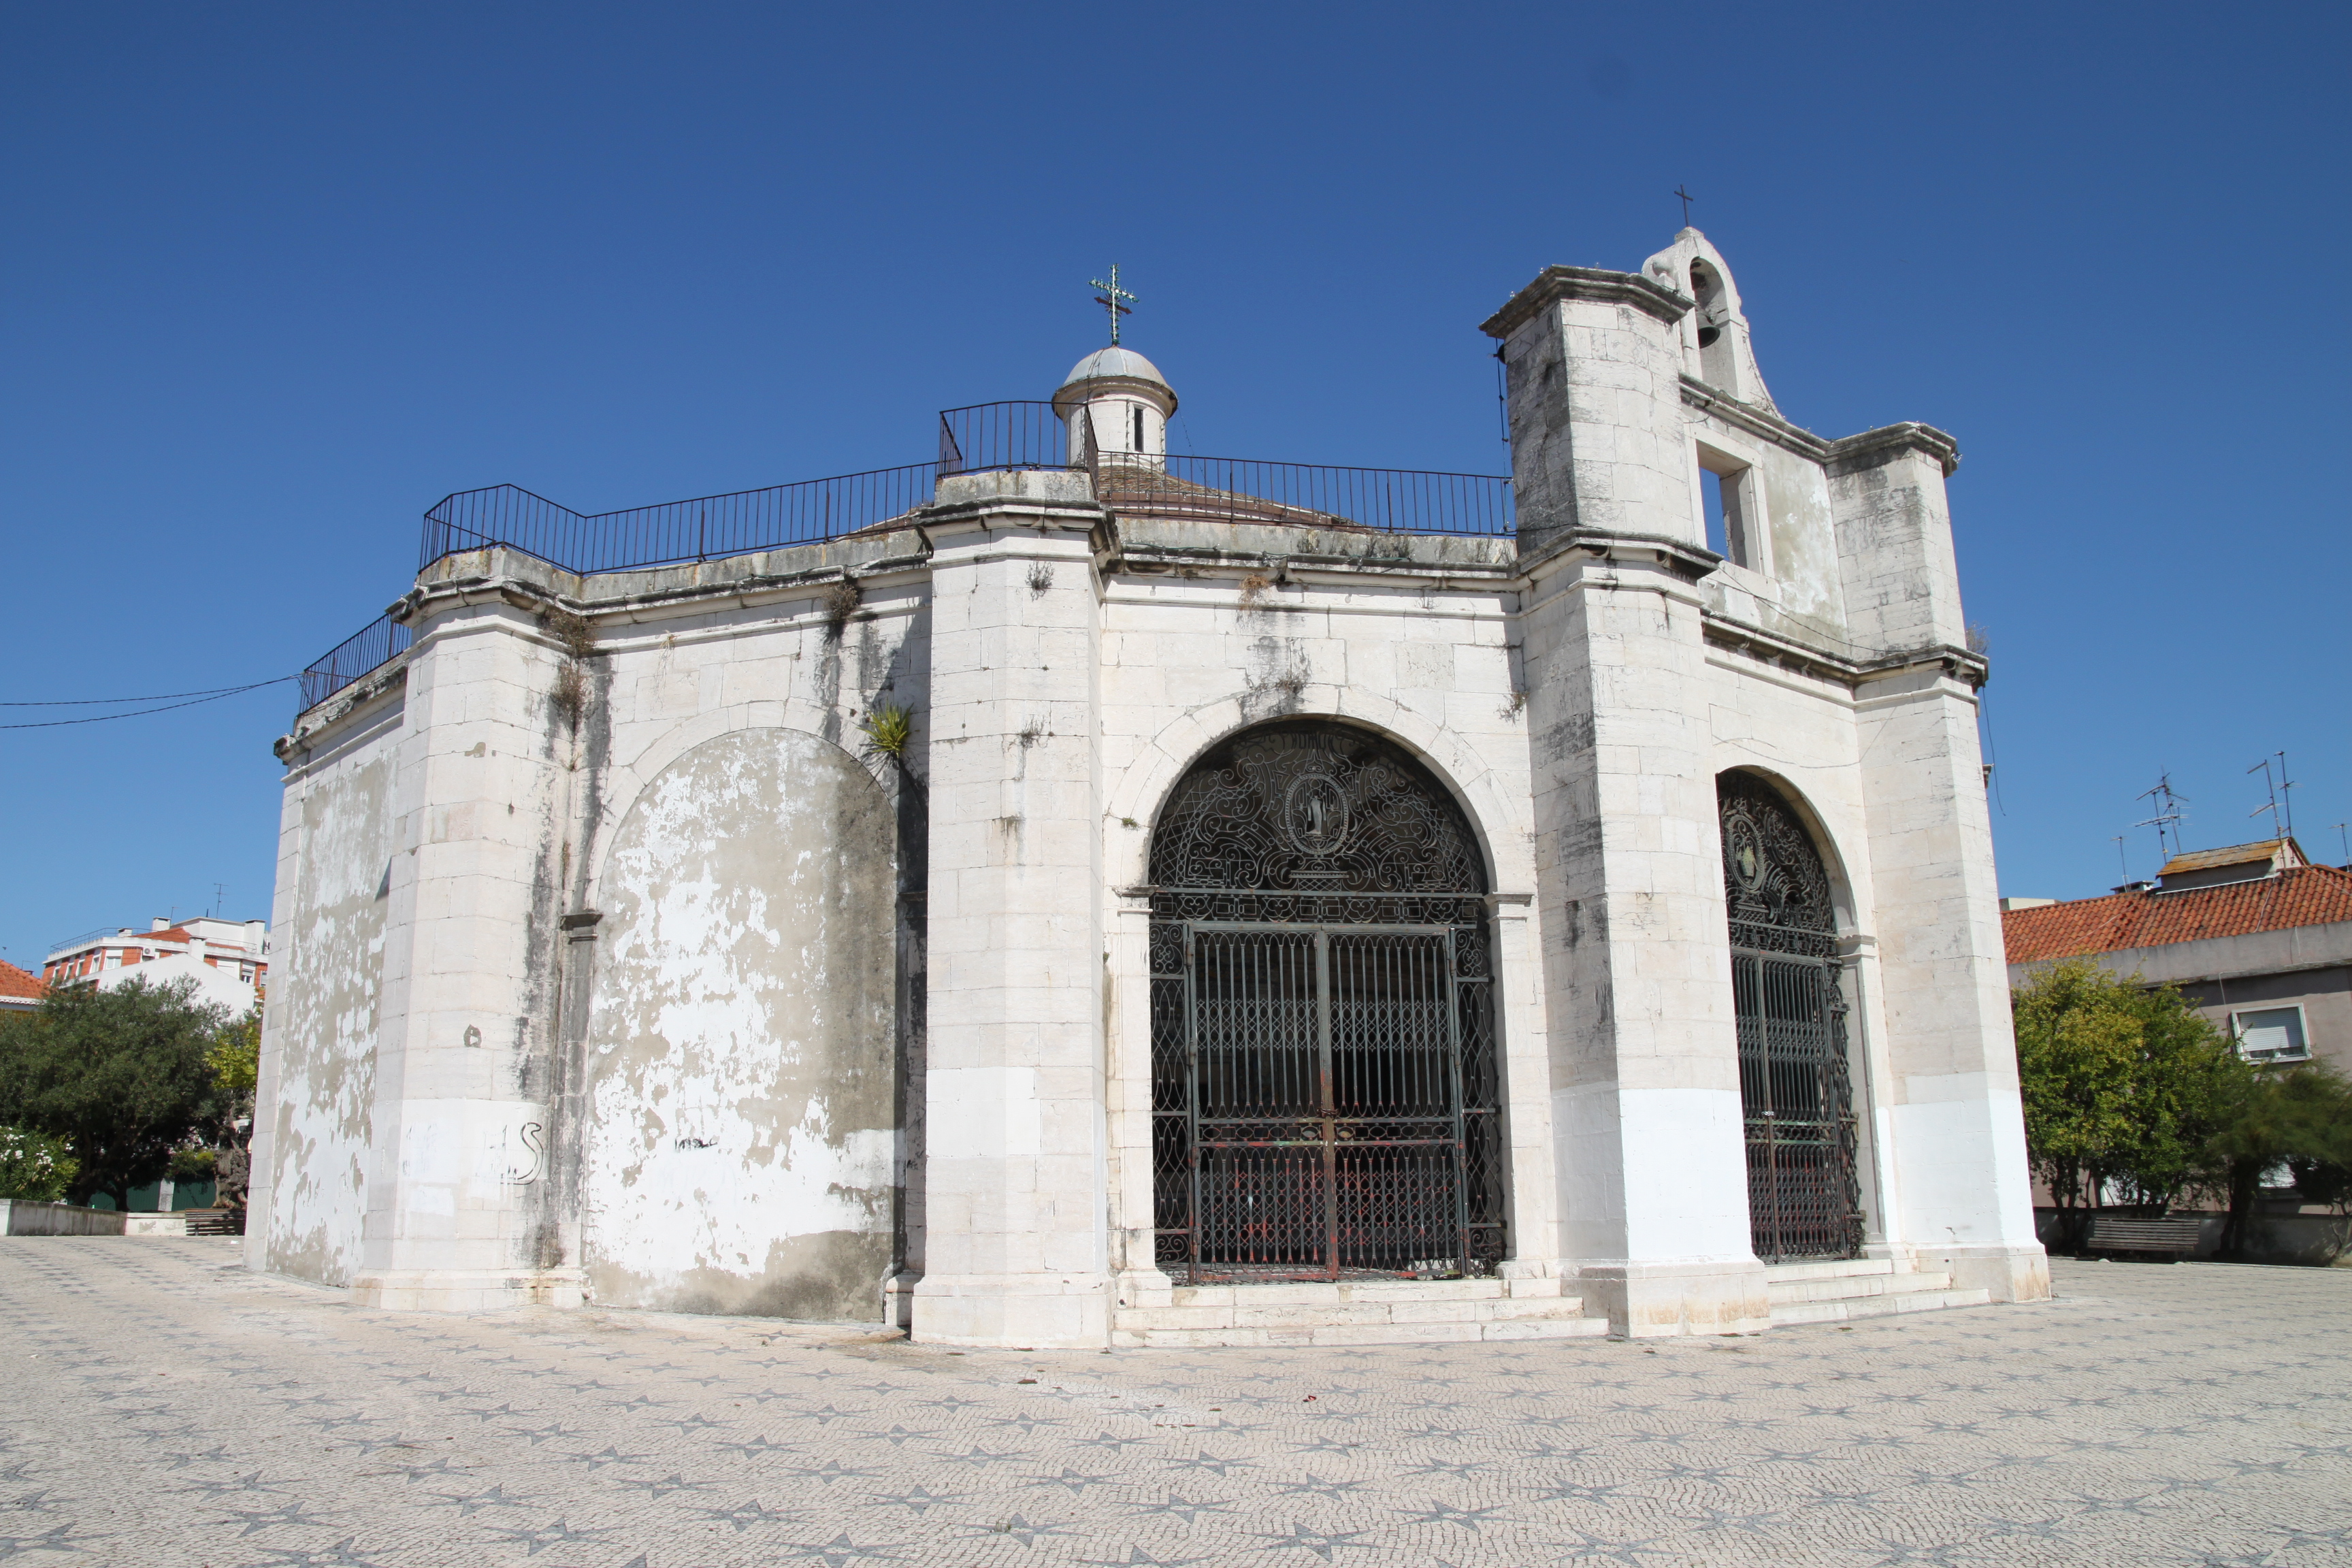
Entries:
{"x":141,"y":712}
{"x":151,"y":697}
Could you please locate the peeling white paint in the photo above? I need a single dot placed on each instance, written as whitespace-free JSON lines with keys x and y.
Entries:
{"x":741,"y":1042}
{"x":322,"y":1014}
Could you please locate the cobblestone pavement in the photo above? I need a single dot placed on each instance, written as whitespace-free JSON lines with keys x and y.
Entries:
{"x":164,"y":1407}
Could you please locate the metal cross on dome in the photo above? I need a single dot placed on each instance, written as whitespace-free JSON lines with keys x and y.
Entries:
{"x":1109,"y":299}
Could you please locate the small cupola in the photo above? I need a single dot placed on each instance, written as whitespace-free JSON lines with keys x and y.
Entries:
{"x":1122,"y":400}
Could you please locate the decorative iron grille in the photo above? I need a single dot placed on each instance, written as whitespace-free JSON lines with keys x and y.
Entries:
{"x":1325,"y":1094}
{"x":1795,"y":1090}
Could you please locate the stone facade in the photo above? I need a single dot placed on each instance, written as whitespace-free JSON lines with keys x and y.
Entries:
{"x":629,"y":958}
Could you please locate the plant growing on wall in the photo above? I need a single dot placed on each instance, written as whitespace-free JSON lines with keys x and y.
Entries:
{"x":841,"y":602}
{"x":889,"y":728}
{"x":578,"y":639}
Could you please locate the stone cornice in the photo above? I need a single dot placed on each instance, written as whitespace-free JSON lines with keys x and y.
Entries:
{"x":1760,"y":422}
{"x":1872,"y":447}
{"x":1154,"y":560}
{"x":1846,"y":455}
{"x":1856,"y":668}
{"x":333,"y":713}
{"x":1684,"y":560}
{"x":1557,"y":283}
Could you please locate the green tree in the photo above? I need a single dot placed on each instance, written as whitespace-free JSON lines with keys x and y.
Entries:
{"x":2277,"y":1116}
{"x":2078,"y":1040}
{"x":234,"y":1061}
{"x":120,"y":1074}
{"x":33,"y":1166}
{"x":2123,"y":1086}
{"x":2184,"y":1084}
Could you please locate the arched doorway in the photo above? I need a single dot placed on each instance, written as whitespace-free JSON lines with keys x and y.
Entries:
{"x":1796,"y":1098}
{"x":1325,"y":1098}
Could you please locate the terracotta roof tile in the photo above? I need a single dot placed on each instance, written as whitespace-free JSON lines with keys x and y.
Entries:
{"x":14,"y":982}
{"x":2306,"y":896}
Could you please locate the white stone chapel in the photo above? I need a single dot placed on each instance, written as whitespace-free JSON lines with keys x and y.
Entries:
{"x":1070,"y":894}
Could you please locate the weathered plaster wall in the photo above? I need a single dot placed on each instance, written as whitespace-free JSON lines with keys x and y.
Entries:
{"x":1798,"y":729}
{"x":319,"y":1041}
{"x":741,"y":1072}
{"x":1208,"y":630}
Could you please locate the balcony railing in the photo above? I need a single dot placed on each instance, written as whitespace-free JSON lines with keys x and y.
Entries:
{"x":709,"y":528}
{"x":1304,"y":495}
{"x":376,"y":642}
{"x":986,"y":436}
{"x":1003,"y":435}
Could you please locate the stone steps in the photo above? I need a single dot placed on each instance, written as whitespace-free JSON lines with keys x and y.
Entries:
{"x":1841,"y":1290}
{"x":1351,"y":1312}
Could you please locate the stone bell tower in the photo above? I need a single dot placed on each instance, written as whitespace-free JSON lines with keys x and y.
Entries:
{"x":1657,"y":667}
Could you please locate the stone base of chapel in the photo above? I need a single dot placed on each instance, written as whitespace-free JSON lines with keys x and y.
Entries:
{"x":1013,"y":1312}
{"x":1349,"y":1312}
{"x":468,"y":1290}
{"x":2015,"y":1272}
{"x":1656,"y":1300}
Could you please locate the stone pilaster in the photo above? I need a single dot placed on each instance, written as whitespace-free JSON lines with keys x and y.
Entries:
{"x":455,"y":1205}
{"x":1643,"y":1058}
{"x":1962,"y":1198}
{"x":1016,"y":1150}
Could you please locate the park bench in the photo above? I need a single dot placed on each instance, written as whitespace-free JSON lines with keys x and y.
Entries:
{"x":216,"y":1222}
{"x":2172,"y":1237}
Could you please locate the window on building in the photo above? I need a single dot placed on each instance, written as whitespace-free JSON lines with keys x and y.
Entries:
{"x":1733,"y":500}
{"x":2271,"y":1034}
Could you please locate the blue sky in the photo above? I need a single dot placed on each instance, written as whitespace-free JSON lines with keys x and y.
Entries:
{"x":275,"y":279}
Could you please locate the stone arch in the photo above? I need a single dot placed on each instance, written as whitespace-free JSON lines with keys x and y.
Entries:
{"x":1144,"y":788}
{"x":738,"y":1081}
{"x":1800,"y":1129}
{"x":623,"y":783}
{"x":1322,"y":975}
{"x":1817,"y":830}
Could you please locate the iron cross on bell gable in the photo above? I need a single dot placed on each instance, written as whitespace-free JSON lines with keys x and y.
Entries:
{"x":1110,"y":298}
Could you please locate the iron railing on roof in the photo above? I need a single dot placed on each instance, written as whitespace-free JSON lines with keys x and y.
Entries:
{"x":378,"y":642}
{"x":103,"y":933}
{"x":1003,"y":436}
{"x":986,"y":436}
{"x":708,"y":528}
{"x":1226,"y":489}
{"x":1304,"y":495}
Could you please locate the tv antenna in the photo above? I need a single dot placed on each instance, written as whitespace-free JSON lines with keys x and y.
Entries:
{"x":2281,"y":804}
{"x":2123,"y":859}
{"x":2167,"y":818}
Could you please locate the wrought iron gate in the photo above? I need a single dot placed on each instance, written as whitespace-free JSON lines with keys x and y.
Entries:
{"x":1324,"y":1092}
{"x":1796,"y":1098}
